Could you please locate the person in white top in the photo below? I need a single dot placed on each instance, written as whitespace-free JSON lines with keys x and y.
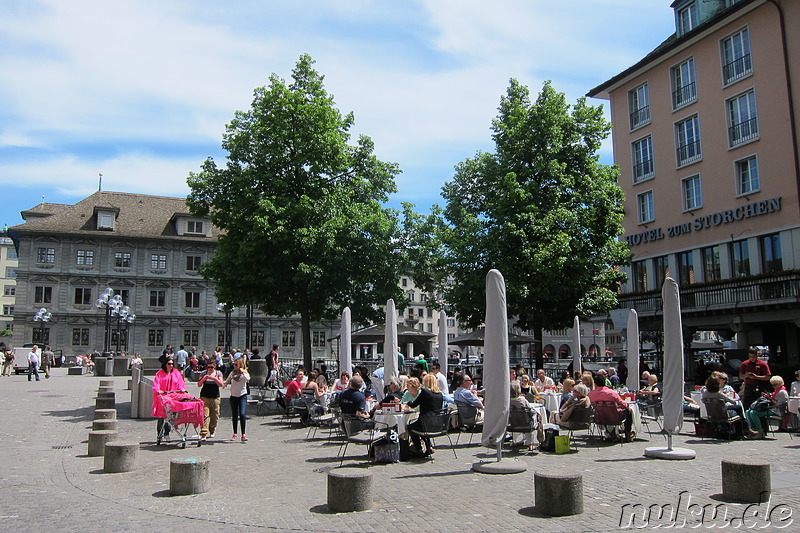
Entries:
{"x":542,"y":381}
{"x":34,"y":358}
{"x":440,"y":378}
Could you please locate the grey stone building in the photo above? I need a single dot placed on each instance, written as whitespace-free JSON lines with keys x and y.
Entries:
{"x":148,"y":250}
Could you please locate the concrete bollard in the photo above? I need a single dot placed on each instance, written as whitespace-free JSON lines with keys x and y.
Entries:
{"x":129,"y":386}
{"x":98,"y":440}
{"x":105,"y":414}
{"x":121,"y":456}
{"x":188,"y":476}
{"x":349,"y":489}
{"x":746,"y":482}
{"x":558,"y":494}
{"x":106,"y":382}
{"x":107,"y":424}
{"x":101,"y":390}
{"x":105,"y":403}
{"x":107,"y":395}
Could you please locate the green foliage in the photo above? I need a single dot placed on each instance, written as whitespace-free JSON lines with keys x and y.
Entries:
{"x":6,"y":333}
{"x":300,"y":209}
{"x":541,"y":209}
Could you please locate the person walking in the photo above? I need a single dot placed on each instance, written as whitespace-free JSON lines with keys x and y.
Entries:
{"x":8,"y":362}
{"x":34,"y":359}
{"x":210,"y":384}
{"x":237,"y":380}
{"x":48,"y":360}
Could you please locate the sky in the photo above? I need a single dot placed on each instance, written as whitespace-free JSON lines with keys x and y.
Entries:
{"x":141,"y":90}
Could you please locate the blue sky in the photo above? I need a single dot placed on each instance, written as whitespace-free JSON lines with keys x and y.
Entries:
{"x":141,"y":90}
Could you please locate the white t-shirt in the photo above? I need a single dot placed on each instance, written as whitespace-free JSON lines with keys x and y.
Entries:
{"x":442,"y":383}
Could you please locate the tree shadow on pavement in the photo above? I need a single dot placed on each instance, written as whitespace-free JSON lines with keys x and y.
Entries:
{"x":82,"y":414}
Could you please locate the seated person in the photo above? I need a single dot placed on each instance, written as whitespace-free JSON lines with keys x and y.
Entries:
{"x":690,"y":406}
{"x":352,"y":401}
{"x":166,"y":380}
{"x":777,"y":402}
{"x":725,"y":388}
{"x":650,"y":396}
{"x":341,"y":384}
{"x":413,"y":387}
{"x":588,"y":379}
{"x":613,"y":378}
{"x":567,"y":391}
{"x":429,"y":400}
{"x":518,"y":401}
{"x":542,"y":381}
{"x":578,"y":401}
{"x":601,"y":393}
{"x":393,"y":391}
{"x":294,"y":389}
{"x":526,"y":385}
{"x":464,"y":393}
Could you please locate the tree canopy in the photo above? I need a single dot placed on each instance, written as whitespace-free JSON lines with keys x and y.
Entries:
{"x":541,"y":209}
{"x":303,"y":227}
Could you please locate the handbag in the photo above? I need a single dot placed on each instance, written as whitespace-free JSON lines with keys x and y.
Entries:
{"x":761,"y":404}
{"x":549,"y":442}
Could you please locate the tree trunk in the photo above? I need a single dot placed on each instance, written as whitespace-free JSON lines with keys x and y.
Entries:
{"x":537,"y":334}
{"x":305,"y":321}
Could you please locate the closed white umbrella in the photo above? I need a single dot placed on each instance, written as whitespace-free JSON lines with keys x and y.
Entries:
{"x":495,"y":363}
{"x":345,"y":343}
{"x":633,"y":351}
{"x":672,"y":390}
{"x":576,"y":345}
{"x":390,"y":346}
{"x":443,"y":343}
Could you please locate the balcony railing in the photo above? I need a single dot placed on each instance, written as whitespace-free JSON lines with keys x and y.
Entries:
{"x":739,"y":293}
{"x":684,"y":95}
{"x":743,"y":131}
{"x":640,"y":117}
{"x":737,"y":68}
{"x":689,"y":153}
{"x":642,"y":171}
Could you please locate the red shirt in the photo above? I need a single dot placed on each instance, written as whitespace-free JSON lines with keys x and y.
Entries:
{"x":293,"y":390}
{"x":759,"y":368}
{"x":606,"y":394}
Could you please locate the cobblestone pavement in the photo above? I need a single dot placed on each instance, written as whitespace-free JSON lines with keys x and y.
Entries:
{"x":277,"y":481}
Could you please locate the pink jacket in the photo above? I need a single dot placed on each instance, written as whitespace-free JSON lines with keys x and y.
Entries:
{"x":163,"y":382}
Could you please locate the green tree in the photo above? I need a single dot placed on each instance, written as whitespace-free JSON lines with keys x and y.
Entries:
{"x":541,"y":209}
{"x":303,"y":227}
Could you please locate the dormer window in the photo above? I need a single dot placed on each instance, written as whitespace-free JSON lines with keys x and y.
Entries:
{"x":194,"y":226}
{"x":105,"y":217}
{"x":687,"y":18}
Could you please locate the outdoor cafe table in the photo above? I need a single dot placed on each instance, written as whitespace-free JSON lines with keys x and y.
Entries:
{"x":552,"y":400}
{"x":399,"y":420}
{"x":697,"y":396}
{"x":794,"y":405}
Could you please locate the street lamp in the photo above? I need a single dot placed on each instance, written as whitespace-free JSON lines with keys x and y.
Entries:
{"x":224,"y":308}
{"x":108,"y":301}
{"x":121,"y":312}
{"x":43,"y":316}
{"x":128,"y":321}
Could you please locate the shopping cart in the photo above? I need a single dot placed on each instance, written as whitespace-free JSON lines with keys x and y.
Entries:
{"x":182,"y":412}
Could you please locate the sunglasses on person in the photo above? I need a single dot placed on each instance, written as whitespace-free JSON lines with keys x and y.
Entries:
{"x":170,"y":363}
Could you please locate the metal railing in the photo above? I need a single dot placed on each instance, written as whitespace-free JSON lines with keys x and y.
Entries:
{"x":743,"y":131}
{"x":684,"y":95}
{"x":640,"y":116}
{"x":737,"y":68}
{"x":688,"y":153}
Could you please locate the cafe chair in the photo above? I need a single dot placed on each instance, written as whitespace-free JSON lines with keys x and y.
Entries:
{"x":606,"y":413}
{"x":724,"y":423}
{"x":317,"y":416}
{"x":358,"y":431}
{"x":268,"y":401}
{"x":521,"y":420}
{"x":580,"y":419}
{"x":777,"y":416}
{"x":433,"y":424}
{"x":467,"y":418}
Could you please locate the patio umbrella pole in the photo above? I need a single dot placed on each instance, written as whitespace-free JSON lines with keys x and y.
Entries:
{"x":499,"y":451}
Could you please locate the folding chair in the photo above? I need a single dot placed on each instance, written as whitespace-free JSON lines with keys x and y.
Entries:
{"x":467,"y":418}
{"x":777,"y":415}
{"x":433,"y":424}
{"x":358,"y":431}
{"x":581,"y":418}
{"x":719,"y":417}
{"x":606,"y":413}
{"x":317,"y":415}
{"x":521,"y":420}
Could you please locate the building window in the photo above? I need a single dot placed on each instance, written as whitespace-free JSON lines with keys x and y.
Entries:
{"x":8,"y":310}
{"x":410,"y":296}
{"x":639,"y":106}
{"x":451,"y":336}
{"x":711,"y":263}
{"x":41,"y":336}
{"x":400,"y":312}
{"x":643,"y":168}
{"x":740,"y":258}
{"x":192,"y":262}
{"x":692,"y":193}
{"x":430,"y":313}
{"x":317,"y":339}
{"x":646,"y":209}
{"x":42,"y":295}
{"x":85,"y":257}
{"x":747,"y":176}
{"x":46,"y":255}
{"x":661,"y":270}
{"x":191,"y":337}
{"x":105,"y":221}
{"x":220,"y":338}
{"x":158,"y":298}
{"x":11,"y":254}
{"x":404,"y":282}
{"x":771,"y":253}
{"x":122,"y":259}
{"x":451,"y":322}
{"x":421,"y":312}
{"x":687,"y":18}
{"x":736,"y":63}
{"x":83,"y":296}
{"x":258,"y":338}
{"x":80,"y":336}
{"x":687,"y":134}
{"x":9,"y":290}
{"x":192,"y":300}
{"x":288,"y":338}
{"x":639,"y":276}
{"x":194,"y":226}
{"x":684,"y":85}
{"x":11,"y":273}
{"x":430,"y":327}
{"x":686,"y":268}
{"x":742,"y":119}
{"x":155,"y":337}
{"x":125,"y":295}
{"x":158,"y":262}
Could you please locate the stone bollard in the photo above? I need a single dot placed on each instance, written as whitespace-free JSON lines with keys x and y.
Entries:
{"x":98,"y":440}
{"x":106,"y":382}
{"x":107,"y":424}
{"x":188,"y":476}
{"x":121,"y":456}
{"x":349,"y":489}
{"x":558,"y":494}
{"x":746,"y":482}
{"x":105,"y":403}
{"x":101,"y":390}
{"x":107,"y":395}
{"x":105,"y":414}
{"x":129,"y":386}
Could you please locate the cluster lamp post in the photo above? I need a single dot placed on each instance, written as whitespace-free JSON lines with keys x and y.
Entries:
{"x":43,"y":316}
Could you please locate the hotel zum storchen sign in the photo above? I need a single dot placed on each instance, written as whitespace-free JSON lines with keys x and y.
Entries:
{"x":753,"y":209}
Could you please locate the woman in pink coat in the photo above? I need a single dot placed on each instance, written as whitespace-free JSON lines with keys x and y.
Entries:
{"x":168,"y":379}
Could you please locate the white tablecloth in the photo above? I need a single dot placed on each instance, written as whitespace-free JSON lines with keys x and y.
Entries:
{"x":698,"y":397}
{"x":395,"y":420}
{"x":552,"y":400}
{"x":794,"y":405}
